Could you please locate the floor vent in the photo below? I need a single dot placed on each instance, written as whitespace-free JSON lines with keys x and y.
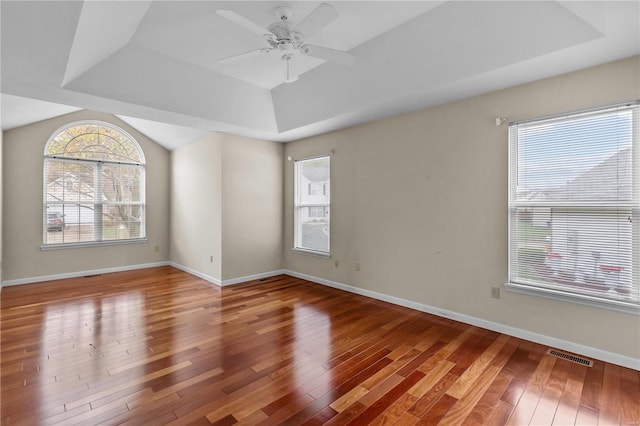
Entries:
{"x":569,"y":357}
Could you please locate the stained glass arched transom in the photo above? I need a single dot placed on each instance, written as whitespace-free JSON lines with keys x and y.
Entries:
{"x":95,"y":141}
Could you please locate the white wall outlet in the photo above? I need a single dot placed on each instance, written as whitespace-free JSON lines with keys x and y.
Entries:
{"x":336,"y":263}
{"x":211,"y":259}
{"x":495,"y":292}
{"x":357,"y":266}
{"x":156,"y":248}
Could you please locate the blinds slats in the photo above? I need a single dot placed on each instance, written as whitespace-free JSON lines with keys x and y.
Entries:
{"x":574,"y":200}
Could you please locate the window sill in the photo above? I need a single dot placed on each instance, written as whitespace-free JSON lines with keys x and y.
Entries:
{"x":45,"y":247}
{"x":582,"y":299}
{"x":312,"y":252}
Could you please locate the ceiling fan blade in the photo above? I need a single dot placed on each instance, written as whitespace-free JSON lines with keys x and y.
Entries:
{"x":245,"y":55}
{"x":242,"y":21}
{"x":317,"y":19}
{"x":332,"y":55}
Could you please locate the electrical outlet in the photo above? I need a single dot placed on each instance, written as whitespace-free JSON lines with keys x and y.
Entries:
{"x":357,"y":266}
{"x":156,"y":248}
{"x":336,"y":263}
{"x":211,"y":259}
{"x":495,"y":292}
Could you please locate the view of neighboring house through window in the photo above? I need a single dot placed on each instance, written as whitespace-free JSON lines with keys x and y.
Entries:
{"x":312,"y":205}
{"x":574,"y":207}
{"x":94,"y":186}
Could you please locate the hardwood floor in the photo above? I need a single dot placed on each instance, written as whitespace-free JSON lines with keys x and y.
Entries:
{"x":160,"y":346}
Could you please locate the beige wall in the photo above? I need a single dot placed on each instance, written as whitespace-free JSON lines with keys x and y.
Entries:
{"x":23,"y":150}
{"x":251,"y":206}
{"x":420,"y":200}
{"x":196,"y":191}
{"x":1,"y":265}
{"x":226,"y":202}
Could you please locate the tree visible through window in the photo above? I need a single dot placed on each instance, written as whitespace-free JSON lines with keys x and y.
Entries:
{"x":94,"y":185}
{"x":574,"y":206}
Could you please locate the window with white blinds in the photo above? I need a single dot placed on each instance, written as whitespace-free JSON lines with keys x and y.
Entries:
{"x":94,"y":186}
{"x":312,"y":184}
{"x":574,"y":207}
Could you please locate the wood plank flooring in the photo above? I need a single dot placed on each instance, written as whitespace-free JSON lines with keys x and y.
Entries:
{"x":160,"y":346}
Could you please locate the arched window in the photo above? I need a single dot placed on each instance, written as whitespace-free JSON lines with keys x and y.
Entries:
{"x":94,"y":186}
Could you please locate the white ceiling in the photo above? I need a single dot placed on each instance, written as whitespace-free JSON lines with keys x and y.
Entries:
{"x":155,"y":63}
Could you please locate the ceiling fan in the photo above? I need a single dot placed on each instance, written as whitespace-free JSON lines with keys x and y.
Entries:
{"x":288,"y":38}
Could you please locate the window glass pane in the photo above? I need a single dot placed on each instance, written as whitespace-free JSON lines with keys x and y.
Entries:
{"x":314,"y":231}
{"x":581,"y":249}
{"x":583,"y":159}
{"x":122,"y":183}
{"x":314,"y":181}
{"x":122,"y":221}
{"x":312,"y":204}
{"x":69,"y":223}
{"x":69,"y":181}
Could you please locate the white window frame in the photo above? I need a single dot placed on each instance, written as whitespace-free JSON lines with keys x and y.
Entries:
{"x":98,"y":206}
{"x":299,"y":205}
{"x":571,"y":295}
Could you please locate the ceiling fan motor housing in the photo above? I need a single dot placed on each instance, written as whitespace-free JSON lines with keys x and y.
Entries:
{"x":284,"y":36}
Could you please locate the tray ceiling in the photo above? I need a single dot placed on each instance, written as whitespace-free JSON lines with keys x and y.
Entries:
{"x":158,"y":60}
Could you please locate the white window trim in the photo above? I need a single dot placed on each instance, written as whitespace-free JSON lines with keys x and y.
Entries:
{"x":581,"y":299}
{"x":559,"y":294}
{"x":58,"y":246}
{"x":311,"y":252}
{"x":297,"y":205}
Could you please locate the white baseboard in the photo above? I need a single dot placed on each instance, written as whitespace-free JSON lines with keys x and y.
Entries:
{"x":42,"y":278}
{"x":205,"y":277}
{"x":230,"y":281}
{"x":542,"y":339}
{"x":208,"y":278}
{"x":253,"y":277}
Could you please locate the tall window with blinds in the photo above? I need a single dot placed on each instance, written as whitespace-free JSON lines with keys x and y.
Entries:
{"x":94,"y":186}
{"x":312,"y":187}
{"x":573,"y":205}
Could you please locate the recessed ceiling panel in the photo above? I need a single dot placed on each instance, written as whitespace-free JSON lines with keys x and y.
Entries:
{"x":142,"y":77}
{"x":103,"y":29}
{"x":171,"y":137}
{"x":194,"y":33}
{"x":449,"y":43}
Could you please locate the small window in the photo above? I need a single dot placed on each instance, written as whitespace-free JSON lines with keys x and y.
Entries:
{"x":574,"y":207}
{"x":94,"y":186}
{"x":312,"y":205}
